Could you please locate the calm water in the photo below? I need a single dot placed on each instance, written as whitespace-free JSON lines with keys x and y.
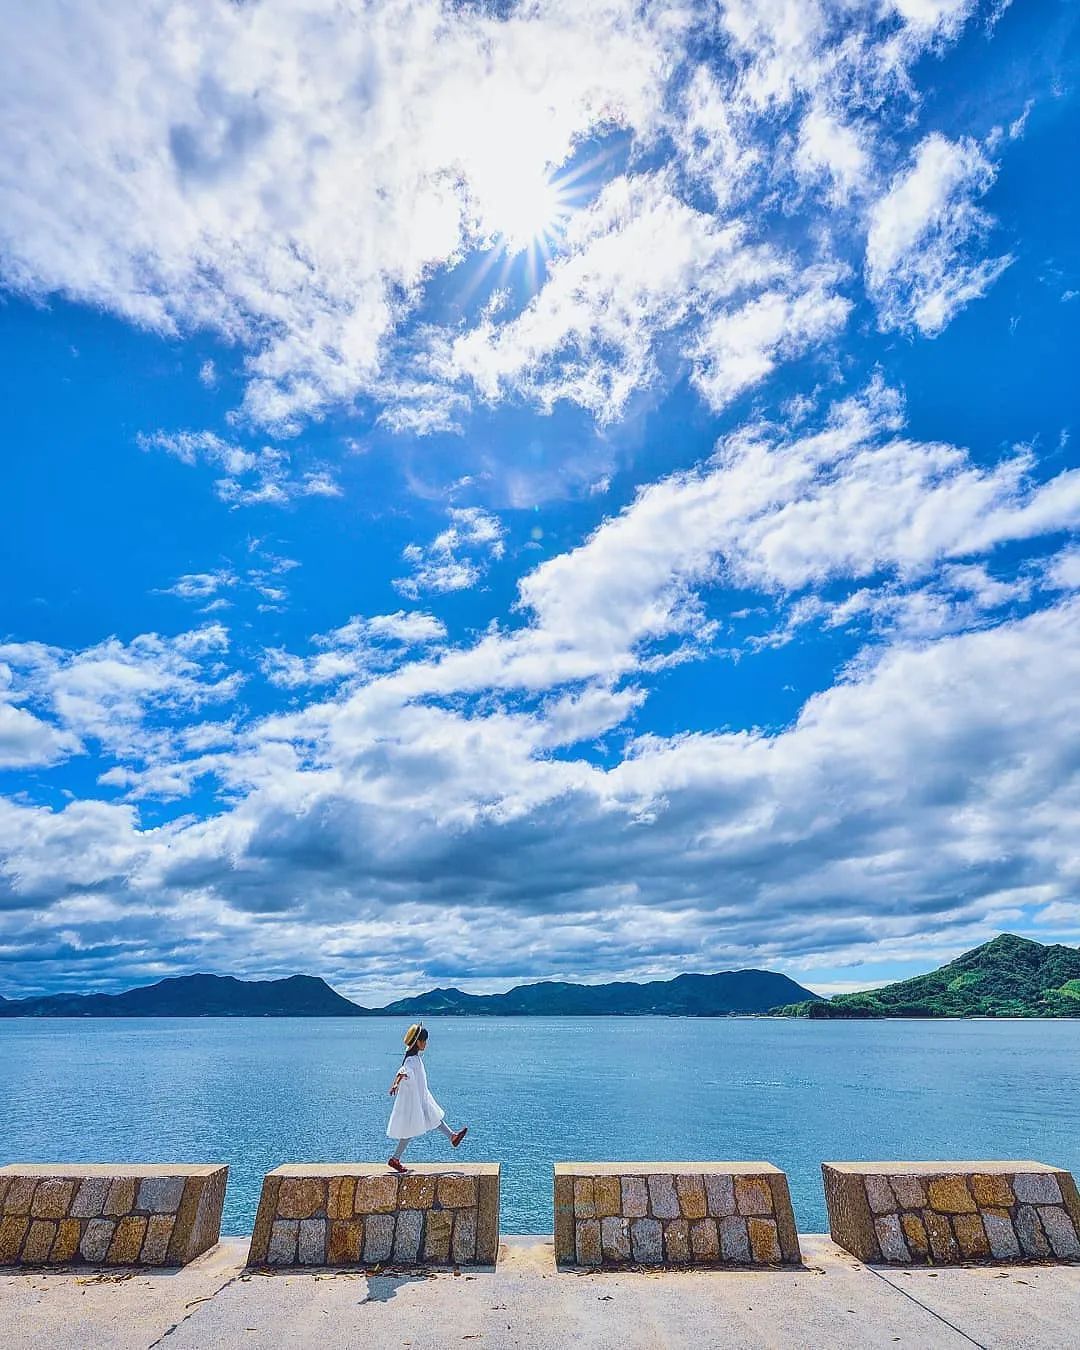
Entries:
{"x":261,"y":1092}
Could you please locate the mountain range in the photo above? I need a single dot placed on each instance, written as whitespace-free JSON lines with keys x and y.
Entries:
{"x":724,"y":994}
{"x":1008,"y":977}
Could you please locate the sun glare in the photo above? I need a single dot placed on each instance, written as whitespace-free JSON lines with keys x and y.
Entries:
{"x":530,"y":212}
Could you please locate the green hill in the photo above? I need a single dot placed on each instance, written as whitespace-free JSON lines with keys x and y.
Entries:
{"x":1008,"y":977}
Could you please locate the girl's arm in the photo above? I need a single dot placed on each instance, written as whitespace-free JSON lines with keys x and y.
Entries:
{"x":401,"y":1074}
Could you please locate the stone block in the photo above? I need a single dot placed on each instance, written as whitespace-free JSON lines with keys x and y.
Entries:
{"x":120,"y":1197}
{"x":565,"y":1240}
{"x":457,"y":1192}
{"x":1060,"y":1232}
{"x":615,"y":1239}
{"x":1033,"y":1188}
{"x":345,"y":1242}
{"x":890,"y":1236}
{"x":943,"y":1244}
{"x":607,"y":1196}
{"x":915,"y":1235}
{"x":752,"y":1195}
{"x":1029,"y":1230}
{"x":992,"y":1192}
{"x":647,"y":1241}
{"x":311,"y":1242}
{"x":950,"y":1195}
{"x":39,"y":1241}
{"x":66,"y":1246}
{"x":12,"y":1232}
{"x":487,"y":1217}
{"x":52,"y":1198}
{"x":127,"y":1240}
{"x":1000,"y":1234}
{"x":691,"y":1193}
{"x":416,"y":1192}
{"x":909,"y":1192}
{"x":378,"y":1237}
{"x":20,"y":1195}
{"x":635,"y":1197}
{"x":851,"y":1222}
{"x":155,"y":1246}
{"x":584,"y":1198}
{"x":90,"y":1198}
{"x":96,"y":1240}
{"x":160,"y":1195}
{"x":663,"y":1199}
{"x":677,"y":1242}
{"x":720,"y":1193}
{"x":463,"y":1242}
{"x":764,"y":1241}
{"x":705,"y":1240}
{"x":376,"y":1194}
{"x":284,"y":1234}
{"x":437,"y":1236}
{"x":408,"y":1231}
{"x":880,"y":1195}
{"x":340,"y":1193}
{"x":587,"y":1242}
{"x":734,"y":1239}
{"x":971,"y":1237}
{"x":303,"y":1197}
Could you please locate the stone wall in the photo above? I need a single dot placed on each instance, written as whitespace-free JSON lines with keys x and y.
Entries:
{"x":114,"y":1214}
{"x":947,"y":1212}
{"x":343,"y":1214}
{"x":673,"y":1214}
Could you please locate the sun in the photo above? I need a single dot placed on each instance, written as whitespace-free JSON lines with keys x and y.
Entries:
{"x":526,"y":210}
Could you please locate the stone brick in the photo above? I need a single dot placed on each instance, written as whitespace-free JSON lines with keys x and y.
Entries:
{"x":635,"y":1197}
{"x":5,"y":1182}
{"x":416,"y":1192}
{"x":971,"y":1237}
{"x":339,"y":1197}
{"x":646,"y":1241}
{"x":302,"y":1197}
{"x":890,"y":1236}
{"x":487,"y":1219}
{"x":915,"y":1235}
{"x":463,"y":1243}
{"x":344,"y":1243}
{"x":752,"y":1195}
{"x":615,"y":1239}
{"x":1037,"y":1188}
{"x":992,"y":1192}
{"x":20,"y":1195}
{"x":662,"y":1197}
{"x":39,"y":1241}
{"x":677,"y":1242}
{"x":12,"y":1231}
{"x":764,"y":1240}
{"x":705,"y":1240}
{"x":734,"y":1240}
{"x":691,"y":1193}
{"x":942,"y":1242}
{"x":587,"y":1242}
{"x":1060,"y":1232}
{"x":437,"y":1235}
{"x":90,"y":1198}
{"x":584,"y":1198}
{"x":311,"y":1242}
{"x":52,"y":1198}
{"x":160,"y":1195}
{"x":457,"y":1192}
{"x":120,"y":1197}
{"x":96,"y":1239}
{"x":378,"y":1237}
{"x":1030,"y":1232}
{"x":1000,"y":1235}
{"x":607,"y":1194}
{"x":408,"y":1231}
{"x":950,"y":1195}
{"x":127,"y":1241}
{"x":720,"y":1191}
{"x":155,"y":1248}
{"x":880,"y":1195}
{"x":564,"y":1219}
{"x":283,"y":1238}
{"x":909,"y":1192}
{"x":376,"y":1195}
{"x":66,"y":1244}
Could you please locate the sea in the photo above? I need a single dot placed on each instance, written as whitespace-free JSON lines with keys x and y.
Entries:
{"x":258,"y":1092}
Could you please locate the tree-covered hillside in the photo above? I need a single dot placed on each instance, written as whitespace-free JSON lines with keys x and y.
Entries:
{"x":1008,"y":977}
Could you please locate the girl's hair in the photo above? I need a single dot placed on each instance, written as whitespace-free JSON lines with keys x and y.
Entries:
{"x":415,"y":1037}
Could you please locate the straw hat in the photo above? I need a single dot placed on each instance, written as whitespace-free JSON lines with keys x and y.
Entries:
{"x":413,"y":1034}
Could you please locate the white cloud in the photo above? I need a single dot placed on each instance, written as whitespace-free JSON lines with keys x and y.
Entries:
{"x":835,"y":149}
{"x":360,"y":647}
{"x":458,"y":556}
{"x":253,"y":477}
{"x":920,"y":230}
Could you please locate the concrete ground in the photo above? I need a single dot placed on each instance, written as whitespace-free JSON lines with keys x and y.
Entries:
{"x":832,"y":1301}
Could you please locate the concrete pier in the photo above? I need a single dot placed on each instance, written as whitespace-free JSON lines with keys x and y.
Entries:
{"x":834,"y":1300}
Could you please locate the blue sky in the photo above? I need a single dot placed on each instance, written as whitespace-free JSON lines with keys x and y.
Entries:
{"x":564,"y":490}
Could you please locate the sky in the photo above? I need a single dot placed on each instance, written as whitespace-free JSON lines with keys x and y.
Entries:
{"x":565,"y":489}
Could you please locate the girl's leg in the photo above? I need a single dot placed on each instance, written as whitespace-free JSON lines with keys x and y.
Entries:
{"x":446,"y":1129}
{"x":402,"y":1145}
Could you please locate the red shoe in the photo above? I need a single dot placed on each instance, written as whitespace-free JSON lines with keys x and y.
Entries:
{"x":396,"y":1164}
{"x":459,"y":1135}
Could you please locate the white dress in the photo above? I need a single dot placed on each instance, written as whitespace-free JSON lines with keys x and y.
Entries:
{"x":415,"y":1110}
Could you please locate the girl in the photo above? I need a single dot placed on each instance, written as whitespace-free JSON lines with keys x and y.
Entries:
{"x":415,"y":1110}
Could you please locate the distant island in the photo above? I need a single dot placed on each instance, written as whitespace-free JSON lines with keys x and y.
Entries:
{"x":1008,"y":977}
{"x":728,"y":993}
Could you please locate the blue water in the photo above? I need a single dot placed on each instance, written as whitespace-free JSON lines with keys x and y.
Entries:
{"x":256,"y":1093}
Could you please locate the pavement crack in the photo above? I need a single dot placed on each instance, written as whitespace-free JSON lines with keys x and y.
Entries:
{"x":920,"y":1304}
{"x":195,"y":1303}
